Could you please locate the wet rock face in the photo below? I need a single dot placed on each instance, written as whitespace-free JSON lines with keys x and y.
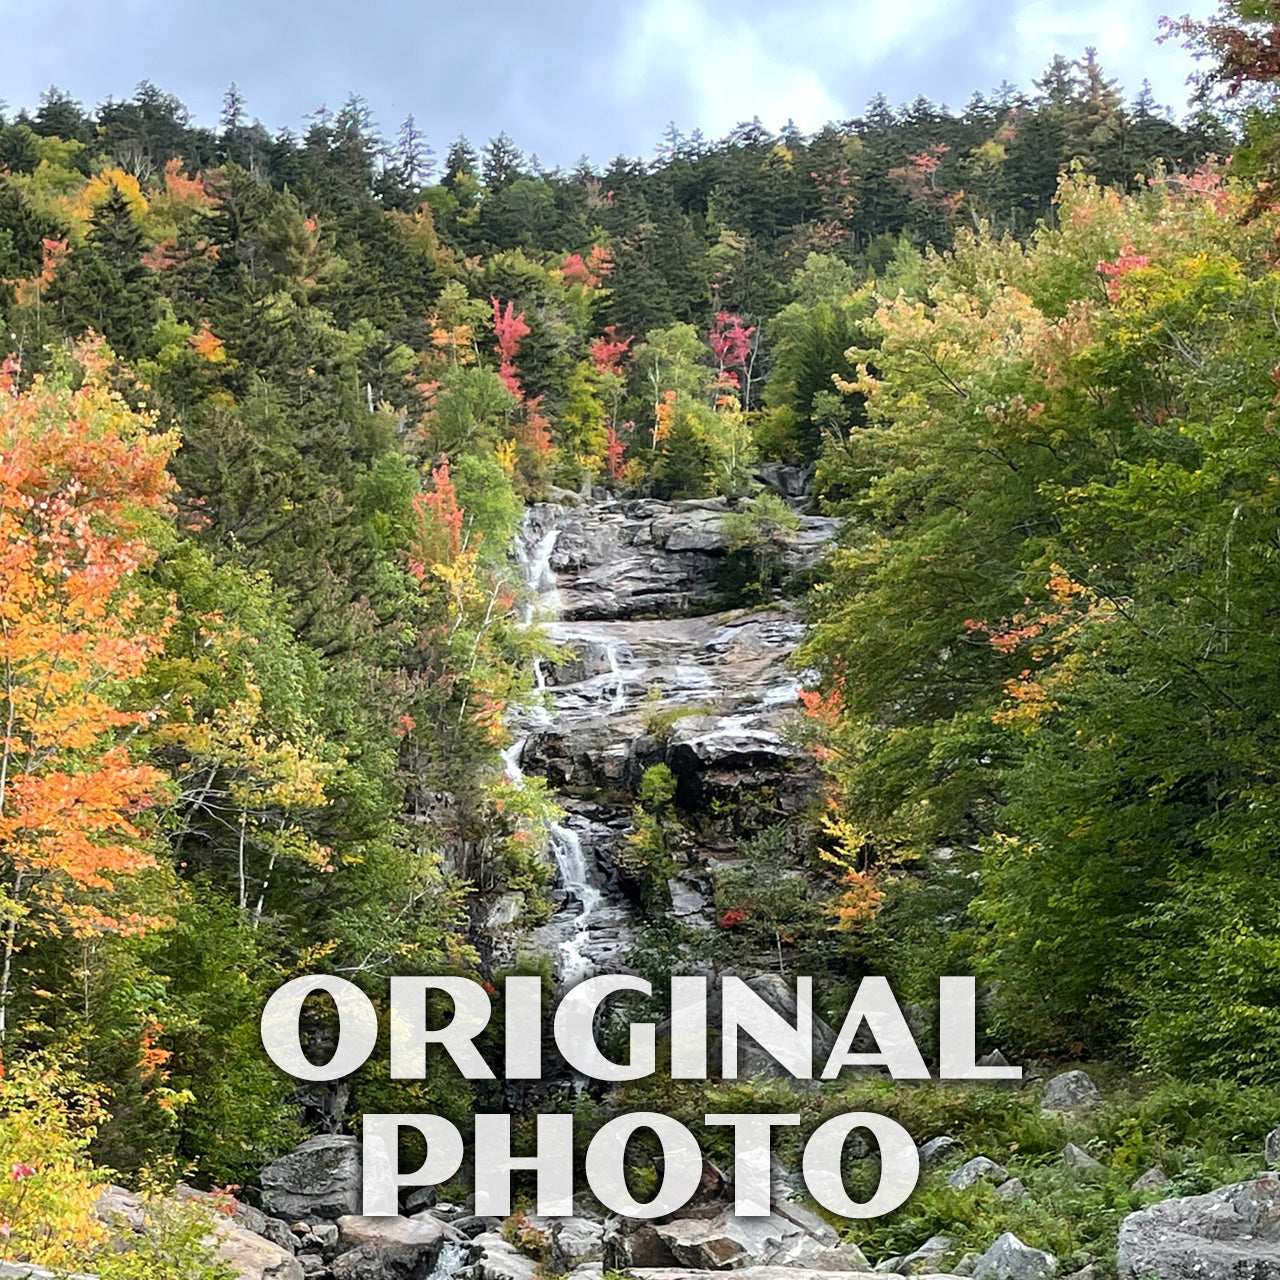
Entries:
{"x":648,"y":559}
{"x":1229,"y":1234}
{"x":709,"y":696}
{"x":646,"y":673}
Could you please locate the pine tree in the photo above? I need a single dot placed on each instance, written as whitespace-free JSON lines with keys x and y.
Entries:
{"x":503,"y":163}
{"x":461,"y":161}
{"x":105,"y":285}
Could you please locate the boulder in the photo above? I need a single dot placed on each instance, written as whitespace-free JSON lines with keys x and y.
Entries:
{"x":254,"y":1246}
{"x":1010,"y":1259}
{"x":1070,"y":1091}
{"x":253,"y":1258}
{"x":727,"y":1241}
{"x":242,"y":1214}
{"x":318,"y":1179}
{"x":1011,"y":1190}
{"x":630,"y":1243}
{"x":979,"y":1169}
{"x":936,"y":1150}
{"x":1232,"y":1233}
{"x":1080,"y":1162}
{"x":121,"y":1209}
{"x":325,"y":1234}
{"x":412,"y":1244}
{"x":575,"y":1241}
{"x":1152,"y":1180}
{"x":471,"y":1226}
{"x":753,"y":1061}
{"x":494,"y":1259}
{"x":364,"y":1263}
{"x":926,"y":1256}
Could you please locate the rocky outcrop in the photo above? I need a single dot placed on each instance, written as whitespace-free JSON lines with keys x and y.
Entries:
{"x":710,"y":695}
{"x":318,"y":1179}
{"x":649,"y":559}
{"x":1229,"y":1234}
{"x":253,"y":1245}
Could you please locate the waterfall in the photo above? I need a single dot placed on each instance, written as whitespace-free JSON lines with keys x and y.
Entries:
{"x":571,"y":864}
{"x":511,"y":762}
{"x":620,"y":681}
{"x":573,"y":869}
{"x":535,"y":566}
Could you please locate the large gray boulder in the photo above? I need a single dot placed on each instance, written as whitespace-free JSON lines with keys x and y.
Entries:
{"x":319,"y":1179}
{"x":575,"y":1241}
{"x":1229,"y":1234}
{"x":411,"y":1243}
{"x":1010,"y":1259}
{"x":241,"y":1214}
{"x":927,"y":1256}
{"x":1071,"y":1091}
{"x":754,"y":1062}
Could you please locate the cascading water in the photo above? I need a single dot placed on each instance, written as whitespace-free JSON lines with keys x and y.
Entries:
{"x":571,"y":864}
{"x":620,"y":685}
{"x":449,"y":1261}
{"x":573,"y":867}
{"x":539,"y":577}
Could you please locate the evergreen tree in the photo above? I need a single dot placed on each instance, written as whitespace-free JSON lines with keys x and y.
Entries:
{"x":105,"y":285}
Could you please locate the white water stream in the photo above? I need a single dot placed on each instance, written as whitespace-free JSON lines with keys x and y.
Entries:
{"x":574,"y":869}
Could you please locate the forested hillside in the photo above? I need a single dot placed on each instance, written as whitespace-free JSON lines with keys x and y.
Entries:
{"x":272,"y":410}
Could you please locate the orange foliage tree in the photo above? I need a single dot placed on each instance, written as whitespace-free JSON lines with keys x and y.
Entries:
{"x":81,"y":478}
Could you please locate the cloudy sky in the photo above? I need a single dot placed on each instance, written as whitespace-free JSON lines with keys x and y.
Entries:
{"x":565,"y":79}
